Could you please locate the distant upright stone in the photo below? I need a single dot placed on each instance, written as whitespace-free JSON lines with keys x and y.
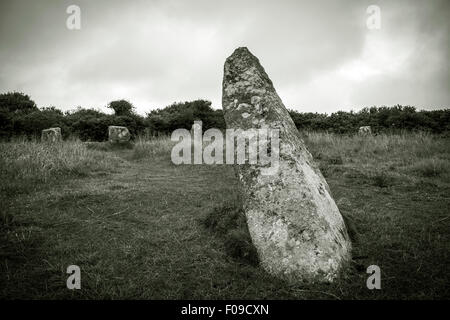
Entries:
{"x":293,"y":221}
{"x":51,"y":135}
{"x":196,"y":126}
{"x":365,"y":130}
{"x":117,"y":134}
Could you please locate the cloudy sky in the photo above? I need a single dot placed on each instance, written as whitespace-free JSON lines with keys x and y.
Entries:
{"x":320,"y":55}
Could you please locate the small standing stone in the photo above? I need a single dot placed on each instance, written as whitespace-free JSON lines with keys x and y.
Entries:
{"x":118,"y":134}
{"x":51,"y":135}
{"x":365,"y":130}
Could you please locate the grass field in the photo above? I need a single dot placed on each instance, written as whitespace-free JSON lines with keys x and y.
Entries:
{"x":140,"y":227}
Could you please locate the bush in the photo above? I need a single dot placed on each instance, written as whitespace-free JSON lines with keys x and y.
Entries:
{"x":92,"y":125}
{"x":17,"y":102}
{"x":382,"y":119}
{"x":182,"y":115}
{"x":19,"y":115}
{"x":89,"y":124}
{"x":33,"y":123}
{"x":121,"y":107}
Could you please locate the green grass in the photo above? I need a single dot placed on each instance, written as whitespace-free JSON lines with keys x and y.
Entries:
{"x":227,"y":221}
{"x":152,"y":148}
{"x":26,"y":165}
{"x":140,"y":227}
{"x":108,"y":146}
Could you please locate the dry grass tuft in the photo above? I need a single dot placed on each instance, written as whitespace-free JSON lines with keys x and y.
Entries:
{"x":33,"y":161}
{"x":152,"y":147}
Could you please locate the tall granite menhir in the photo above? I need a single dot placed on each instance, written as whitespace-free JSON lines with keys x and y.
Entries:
{"x":293,"y":221}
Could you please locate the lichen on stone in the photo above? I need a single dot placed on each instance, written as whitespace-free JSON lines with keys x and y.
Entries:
{"x":293,"y":221}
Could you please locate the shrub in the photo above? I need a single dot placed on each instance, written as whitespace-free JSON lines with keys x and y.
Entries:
{"x":33,"y":123}
{"x":381,"y":119}
{"x":89,"y":124}
{"x":17,"y":102}
{"x":183,"y":115}
{"x":121,"y":107}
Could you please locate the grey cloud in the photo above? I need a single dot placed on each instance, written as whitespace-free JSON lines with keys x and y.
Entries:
{"x":157,"y":52}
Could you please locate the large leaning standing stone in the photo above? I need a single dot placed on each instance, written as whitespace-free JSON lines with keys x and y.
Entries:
{"x":118,"y":134}
{"x":293,"y":221}
{"x":51,"y":135}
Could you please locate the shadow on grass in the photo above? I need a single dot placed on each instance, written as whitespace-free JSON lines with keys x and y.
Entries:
{"x":228,"y":223}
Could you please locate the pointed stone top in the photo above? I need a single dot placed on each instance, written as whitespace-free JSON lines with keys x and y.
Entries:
{"x":243,"y":65}
{"x":241,"y":50}
{"x":242,"y":55}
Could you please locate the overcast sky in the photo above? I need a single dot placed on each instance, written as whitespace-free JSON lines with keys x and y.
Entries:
{"x":320,"y":54}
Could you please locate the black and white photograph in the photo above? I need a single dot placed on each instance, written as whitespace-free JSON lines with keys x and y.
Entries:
{"x":224,"y":154}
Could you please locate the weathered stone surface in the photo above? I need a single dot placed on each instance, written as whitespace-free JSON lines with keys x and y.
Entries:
{"x":294,"y":222}
{"x":365,"y":130}
{"x":51,"y":135}
{"x":117,"y":134}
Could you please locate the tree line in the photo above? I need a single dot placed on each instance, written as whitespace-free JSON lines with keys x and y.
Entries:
{"x":19,"y":116}
{"x":381,"y":119}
